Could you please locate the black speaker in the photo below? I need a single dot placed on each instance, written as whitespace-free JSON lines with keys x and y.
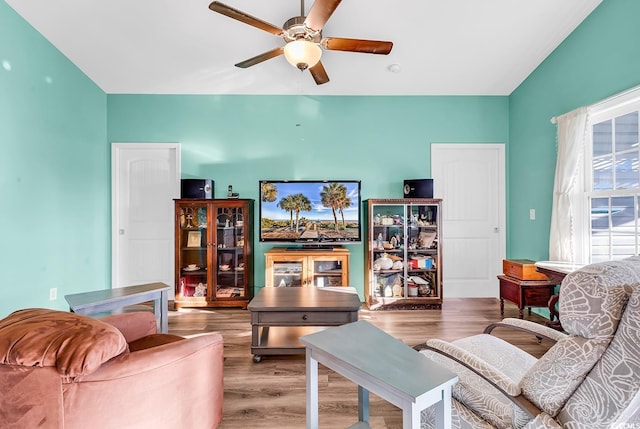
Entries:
{"x":196,"y":188}
{"x":418,"y":188}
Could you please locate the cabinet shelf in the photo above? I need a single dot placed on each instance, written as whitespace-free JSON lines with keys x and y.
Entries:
{"x":193,"y":272}
{"x":378,"y":250}
{"x":416,"y":237}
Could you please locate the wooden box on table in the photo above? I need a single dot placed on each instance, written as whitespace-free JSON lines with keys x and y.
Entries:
{"x":523,"y":286}
{"x":522,"y":269}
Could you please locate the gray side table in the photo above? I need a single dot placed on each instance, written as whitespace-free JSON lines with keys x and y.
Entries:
{"x":381,"y":364}
{"x":99,"y":301}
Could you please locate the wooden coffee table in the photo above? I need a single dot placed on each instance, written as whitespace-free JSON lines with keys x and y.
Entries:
{"x":281,"y":315}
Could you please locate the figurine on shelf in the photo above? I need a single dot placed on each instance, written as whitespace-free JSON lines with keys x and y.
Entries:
{"x":379,"y":244}
{"x":379,"y":291}
{"x":388,"y":291}
{"x":189,"y":216}
{"x":201,"y":290}
{"x":397,"y":287}
{"x":202,"y":218}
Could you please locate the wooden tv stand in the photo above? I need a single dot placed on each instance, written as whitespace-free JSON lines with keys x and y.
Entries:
{"x":301,"y":267}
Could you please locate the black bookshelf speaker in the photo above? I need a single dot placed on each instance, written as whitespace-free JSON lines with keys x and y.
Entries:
{"x":418,"y":188}
{"x":196,"y":188}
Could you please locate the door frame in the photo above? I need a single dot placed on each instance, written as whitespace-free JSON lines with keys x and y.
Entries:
{"x":116,"y":150}
{"x":502,"y":192}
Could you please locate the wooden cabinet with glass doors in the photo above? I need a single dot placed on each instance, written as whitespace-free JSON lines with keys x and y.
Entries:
{"x":213,"y":244}
{"x":306,"y":267}
{"x":403,"y":253}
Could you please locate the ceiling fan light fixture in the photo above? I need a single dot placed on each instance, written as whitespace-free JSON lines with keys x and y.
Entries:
{"x":302,"y":53}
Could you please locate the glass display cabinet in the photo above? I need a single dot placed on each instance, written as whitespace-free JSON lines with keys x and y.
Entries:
{"x":213,"y":262}
{"x":306,"y":267}
{"x":403,"y":266}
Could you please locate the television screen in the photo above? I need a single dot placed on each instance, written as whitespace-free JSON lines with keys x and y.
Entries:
{"x":309,"y":212}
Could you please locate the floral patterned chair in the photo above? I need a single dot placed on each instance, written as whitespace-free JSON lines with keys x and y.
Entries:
{"x":590,"y":377}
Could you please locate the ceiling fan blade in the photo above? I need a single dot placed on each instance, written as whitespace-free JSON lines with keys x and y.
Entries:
{"x":260,"y":58}
{"x":320,"y":13}
{"x":319,"y":73}
{"x":216,"y":6}
{"x":357,"y":45}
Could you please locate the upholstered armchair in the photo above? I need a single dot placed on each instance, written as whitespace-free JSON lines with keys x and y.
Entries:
{"x":589,"y":378}
{"x":63,"y":370}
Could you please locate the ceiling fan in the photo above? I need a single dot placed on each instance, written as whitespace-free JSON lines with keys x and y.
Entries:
{"x":303,"y":38}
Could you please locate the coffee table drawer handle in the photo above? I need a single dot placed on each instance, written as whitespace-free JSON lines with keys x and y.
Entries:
{"x":305,"y":317}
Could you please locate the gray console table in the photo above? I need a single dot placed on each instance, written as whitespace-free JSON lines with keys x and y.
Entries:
{"x":383,"y":365}
{"x":99,"y":301}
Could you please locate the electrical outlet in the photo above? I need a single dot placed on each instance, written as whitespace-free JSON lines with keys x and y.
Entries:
{"x":53,"y":294}
{"x":532,"y":214}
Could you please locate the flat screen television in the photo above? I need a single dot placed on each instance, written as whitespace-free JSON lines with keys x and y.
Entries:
{"x":310,"y":212}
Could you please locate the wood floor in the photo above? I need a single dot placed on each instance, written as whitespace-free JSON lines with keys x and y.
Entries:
{"x":271,"y":394}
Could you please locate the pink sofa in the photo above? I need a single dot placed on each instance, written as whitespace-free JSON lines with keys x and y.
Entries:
{"x":63,"y":370}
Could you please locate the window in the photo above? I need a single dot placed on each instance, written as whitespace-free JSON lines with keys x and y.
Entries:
{"x":613,"y":178}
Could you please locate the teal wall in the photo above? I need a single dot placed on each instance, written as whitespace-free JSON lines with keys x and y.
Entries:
{"x":54,"y":173}
{"x":239,"y":140}
{"x":599,"y":59}
{"x":56,"y":127}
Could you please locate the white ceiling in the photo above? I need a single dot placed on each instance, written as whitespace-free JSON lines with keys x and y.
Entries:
{"x":443,"y":47}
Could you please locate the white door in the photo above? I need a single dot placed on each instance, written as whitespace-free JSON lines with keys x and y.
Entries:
{"x":145,"y":180}
{"x":470,"y":179}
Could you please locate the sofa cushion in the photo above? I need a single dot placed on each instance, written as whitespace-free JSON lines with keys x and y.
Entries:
{"x":153,"y":340}
{"x":74,"y":344}
{"x":611,"y":388}
{"x":552,"y":380}
{"x":593,"y":298}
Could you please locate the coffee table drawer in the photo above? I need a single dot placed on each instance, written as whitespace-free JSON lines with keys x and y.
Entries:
{"x":306,"y":317}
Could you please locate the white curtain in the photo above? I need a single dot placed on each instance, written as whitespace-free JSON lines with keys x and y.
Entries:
{"x":572,"y":133}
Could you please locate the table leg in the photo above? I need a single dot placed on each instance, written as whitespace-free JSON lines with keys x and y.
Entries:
{"x":157,"y":312}
{"x":501,"y":306}
{"x":164,"y":311}
{"x":363,"y":404}
{"x":312,"y":391}
{"x":411,"y":417}
{"x":443,"y":409}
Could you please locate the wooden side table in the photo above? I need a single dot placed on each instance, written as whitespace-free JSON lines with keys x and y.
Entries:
{"x":556,"y":272}
{"x":525,"y":293}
